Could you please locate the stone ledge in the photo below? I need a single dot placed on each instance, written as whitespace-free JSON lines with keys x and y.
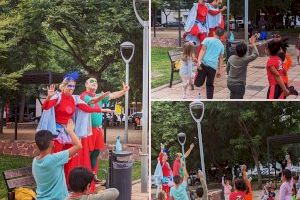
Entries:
{"x":164,"y":42}
{"x":29,"y":149}
{"x":25,"y":125}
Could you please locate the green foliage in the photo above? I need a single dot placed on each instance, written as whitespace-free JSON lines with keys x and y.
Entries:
{"x":9,"y":82}
{"x":233,"y":131}
{"x":72,"y":35}
{"x":160,"y":67}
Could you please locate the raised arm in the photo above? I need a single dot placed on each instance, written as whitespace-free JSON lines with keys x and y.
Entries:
{"x":98,"y":98}
{"x":254,"y":53}
{"x":189,"y":151}
{"x":215,"y":12}
{"x":186,"y":174}
{"x":86,"y":108}
{"x":48,"y":103}
{"x":203,"y":183}
{"x":75,"y":141}
{"x":118,"y":94}
{"x":245,"y":177}
{"x":223,"y":181}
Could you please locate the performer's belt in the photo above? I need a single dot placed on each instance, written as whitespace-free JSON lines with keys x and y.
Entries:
{"x":198,"y":22}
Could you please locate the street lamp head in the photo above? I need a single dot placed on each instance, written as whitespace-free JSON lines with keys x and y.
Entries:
{"x":142,"y":22}
{"x":197,"y":110}
{"x":127,"y":46}
{"x":181,"y":138}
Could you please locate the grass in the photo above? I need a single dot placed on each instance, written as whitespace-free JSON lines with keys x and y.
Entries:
{"x":161,"y":67}
{"x":13,"y":162}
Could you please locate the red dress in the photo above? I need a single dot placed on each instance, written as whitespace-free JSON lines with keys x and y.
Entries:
{"x":202,"y":11}
{"x":64,"y":111}
{"x":166,"y":170}
{"x":222,"y":25}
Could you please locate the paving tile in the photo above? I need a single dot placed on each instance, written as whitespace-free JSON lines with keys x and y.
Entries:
{"x":257,"y":83}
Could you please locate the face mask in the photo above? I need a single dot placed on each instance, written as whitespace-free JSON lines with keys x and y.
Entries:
{"x":71,"y":86}
{"x":93,"y":81}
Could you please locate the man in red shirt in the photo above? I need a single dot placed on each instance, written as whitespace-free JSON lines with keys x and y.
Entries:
{"x":275,"y":72}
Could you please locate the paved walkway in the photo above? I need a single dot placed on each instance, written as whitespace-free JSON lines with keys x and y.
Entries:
{"x":137,"y":194}
{"x":134,"y":136}
{"x":257,"y":83}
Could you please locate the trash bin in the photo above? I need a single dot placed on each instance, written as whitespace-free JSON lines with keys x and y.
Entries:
{"x":120,"y":163}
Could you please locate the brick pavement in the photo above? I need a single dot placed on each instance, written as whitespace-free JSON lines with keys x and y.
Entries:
{"x":136,"y":193}
{"x":257,"y":83}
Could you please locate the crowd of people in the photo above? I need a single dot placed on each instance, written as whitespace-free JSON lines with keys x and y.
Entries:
{"x":70,"y":138}
{"x":173,"y":181}
{"x":174,"y":184}
{"x":203,"y":55}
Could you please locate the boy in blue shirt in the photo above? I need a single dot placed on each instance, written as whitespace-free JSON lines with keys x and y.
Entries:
{"x":48,"y":169}
{"x":210,"y":61}
{"x":179,"y":190}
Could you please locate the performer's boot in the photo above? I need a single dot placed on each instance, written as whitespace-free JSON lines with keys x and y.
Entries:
{"x":94,"y":156}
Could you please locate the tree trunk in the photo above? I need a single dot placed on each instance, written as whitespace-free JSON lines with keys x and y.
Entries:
{"x":2,"y":105}
{"x":22,"y":107}
{"x":154,"y":22}
{"x":166,"y":20}
{"x":253,"y":149}
{"x":179,"y":22}
{"x":256,"y":161}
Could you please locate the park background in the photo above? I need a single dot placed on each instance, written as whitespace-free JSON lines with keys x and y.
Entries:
{"x":281,"y":17}
{"x":39,"y":37}
{"x":232,"y":132}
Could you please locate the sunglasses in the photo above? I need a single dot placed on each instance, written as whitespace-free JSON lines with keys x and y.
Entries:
{"x":93,"y":81}
{"x":71,"y":86}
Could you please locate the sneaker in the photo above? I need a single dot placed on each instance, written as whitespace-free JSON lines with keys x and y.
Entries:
{"x":192,"y":87}
{"x":293,"y":91}
{"x":97,"y":181}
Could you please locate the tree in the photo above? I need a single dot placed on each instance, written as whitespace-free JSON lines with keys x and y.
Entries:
{"x":232,"y":131}
{"x":70,"y":35}
{"x":88,"y":31}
